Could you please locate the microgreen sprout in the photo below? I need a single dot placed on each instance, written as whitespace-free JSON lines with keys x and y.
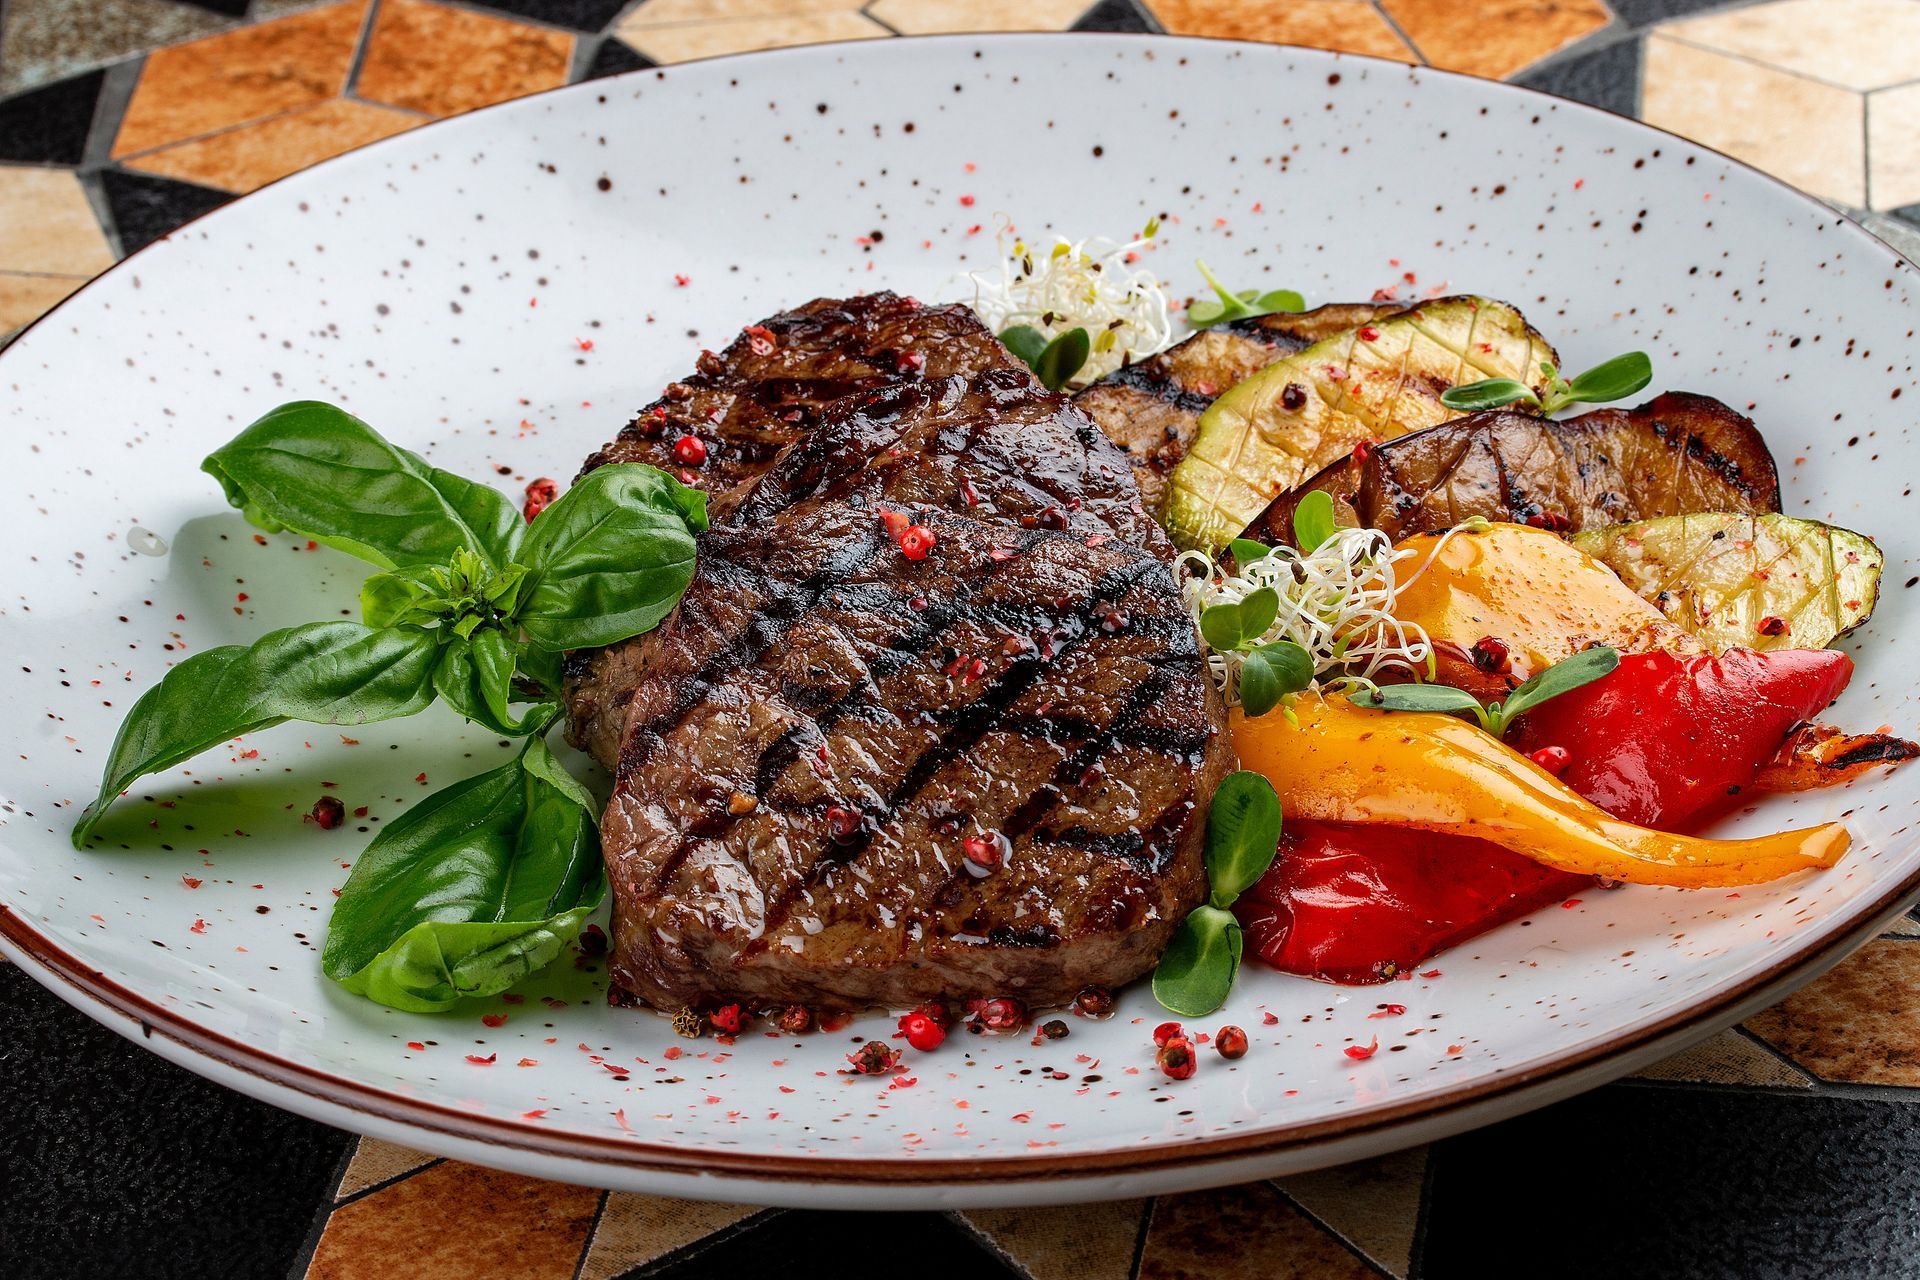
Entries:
{"x":1616,"y":379}
{"x":1244,"y":305}
{"x":1496,"y":718}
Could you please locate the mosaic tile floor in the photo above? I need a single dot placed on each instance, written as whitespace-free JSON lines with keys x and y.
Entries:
{"x":1782,"y":1148}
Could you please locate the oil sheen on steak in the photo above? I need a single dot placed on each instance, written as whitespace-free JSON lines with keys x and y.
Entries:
{"x":847,"y":777}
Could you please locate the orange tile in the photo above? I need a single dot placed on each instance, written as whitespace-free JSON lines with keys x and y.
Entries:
{"x":1494,"y":38}
{"x":224,"y":80}
{"x":458,"y":1220}
{"x":1242,"y":1233}
{"x":1065,"y":1242}
{"x":444,"y":61}
{"x":1350,"y":26}
{"x":255,"y":154}
{"x":1860,"y":1023}
{"x":24,"y":299}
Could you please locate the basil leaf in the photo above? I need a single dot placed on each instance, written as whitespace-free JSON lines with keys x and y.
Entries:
{"x":1243,"y":831}
{"x":323,"y":672}
{"x":1615,"y":379}
{"x":326,"y":475}
{"x":1490,"y":394}
{"x":1196,"y":971}
{"x":1245,"y":551}
{"x":475,"y":677}
{"x":404,"y":595}
{"x":1062,"y":358}
{"x":1313,"y":521}
{"x":1026,"y":342}
{"x":1279,"y":300}
{"x":1562,"y":677}
{"x":609,"y":558}
{"x":542,"y":667}
{"x":476,"y":887}
{"x":1420,"y":697}
{"x":1257,"y":611}
{"x":1220,"y":626}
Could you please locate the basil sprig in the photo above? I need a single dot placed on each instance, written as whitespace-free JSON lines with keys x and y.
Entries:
{"x":1197,"y":970}
{"x":1563,"y":676}
{"x":1243,"y":305}
{"x":1616,"y":379}
{"x":1055,"y":362}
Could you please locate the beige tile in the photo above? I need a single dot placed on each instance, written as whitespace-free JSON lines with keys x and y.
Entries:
{"x":1859,"y":1023}
{"x":657,"y":13}
{"x":1728,"y":1058}
{"x":1861,"y":44}
{"x":255,"y":154}
{"x":47,"y":226}
{"x":44,"y":41}
{"x":1372,"y":1204}
{"x":1066,"y":1242}
{"x":634,"y":1230}
{"x":24,"y":299}
{"x":1247,"y":1232}
{"x":375,"y":1162}
{"x":1893,"y":147}
{"x":709,"y":39}
{"x":1494,"y":38}
{"x":1905,"y":926}
{"x":442,"y":61}
{"x":1349,"y":26}
{"x":1806,"y":133}
{"x":924,"y":17}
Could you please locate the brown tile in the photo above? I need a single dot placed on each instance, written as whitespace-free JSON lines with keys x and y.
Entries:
{"x":1805,"y":133}
{"x":255,"y":154}
{"x":1372,"y":1204}
{"x":634,"y":1230}
{"x":1728,"y":1058}
{"x":1494,"y":38}
{"x":1858,"y":44}
{"x":709,"y":39}
{"x":443,"y":61}
{"x":24,"y":298}
{"x":1350,"y":26}
{"x":224,"y":80}
{"x":1242,"y":1233}
{"x":1893,"y":147}
{"x":43,"y":41}
{"x":1066,"y":1242}
{"x":457,"y":1220}
{"x":1859,"y":1023}
{"x":925,"y":17}
{"x":375,"y":1162}
{"x":46,"y":225}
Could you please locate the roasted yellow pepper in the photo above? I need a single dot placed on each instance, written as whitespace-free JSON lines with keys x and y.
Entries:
{"x":1342,"y":763}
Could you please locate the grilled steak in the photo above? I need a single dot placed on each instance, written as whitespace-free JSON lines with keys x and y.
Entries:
{"x":1153,"y":408}
{"x":852,"y":778}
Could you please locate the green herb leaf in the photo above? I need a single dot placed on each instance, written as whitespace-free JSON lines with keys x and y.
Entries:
{"x":1243,"y":832}
{"x":1026,"y":342}
{"x":1292,"y":665}
{"x":1490,"y":394}
{"x":413,"y":595}
{"x":471,"y":890}
{"x":1258,"y":609}
{"x":1421,"y":697}
{"x":1220,"y":627}
{"x":1196,"y":971}
{"x":609,"y":558}
{"x":326,"y":475}
{"x":1269,"y":672}
{"x":474,"y":676}
{"x":1562,"y":677}
{"x":324,"y":673}
{"x":1615,"y":379}
{"x":1313,"y":521}
{"x":1243,"y":305}
{"x":1245,"y":551}
{"x":1062,"y":358}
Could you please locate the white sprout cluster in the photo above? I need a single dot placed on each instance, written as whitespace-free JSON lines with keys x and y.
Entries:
{"x":1092,"y":284}
{"x":1336,"y":602}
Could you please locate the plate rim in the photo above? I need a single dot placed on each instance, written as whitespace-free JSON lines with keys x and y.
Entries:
{"x":1446,"y":1111}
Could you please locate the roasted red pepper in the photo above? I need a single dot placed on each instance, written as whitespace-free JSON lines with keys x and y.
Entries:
{"x":1669,"y":741}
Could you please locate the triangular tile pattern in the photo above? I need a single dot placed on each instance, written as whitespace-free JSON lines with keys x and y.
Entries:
{"x":1859,"y":1023}
{"x":1728,"y":1058}
{"x":374,"y":1162}
{"x":1248,"y":1232}
{"x":635,"y":1230}
{"x":1065,"y":1242}
{"x":50,"y":125}
{"x":41,"y":42}
{"x":440,"y":61}
{"x":1373,"y":1204}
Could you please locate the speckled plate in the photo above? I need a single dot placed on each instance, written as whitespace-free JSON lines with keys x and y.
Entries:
{"x":501,"y":290}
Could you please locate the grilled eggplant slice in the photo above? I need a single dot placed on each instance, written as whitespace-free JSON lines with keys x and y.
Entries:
{"x":1819,"y":755}
{"x":1371,"y":383}
{"x":1763,"y":581}
{"x":1676,"y":454}
{"x":1152,"y":409}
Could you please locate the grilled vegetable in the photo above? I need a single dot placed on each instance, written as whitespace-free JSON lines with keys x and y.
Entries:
{"x":1820,"y":755}
{"x":1764,"y":581}
{"x":1299,"y":414}
{"x":1677,"y":453}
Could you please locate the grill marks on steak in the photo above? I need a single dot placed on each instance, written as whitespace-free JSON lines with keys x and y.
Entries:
{"x":824,"y":724}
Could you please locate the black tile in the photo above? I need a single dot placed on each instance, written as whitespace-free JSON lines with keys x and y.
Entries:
{"x":1608,"y":77}
{"x":1641,"y":13}
{"x":1115,"y":15}
{"x":229,"y":8}
{"x":115,"y":1163}
{"x":1682,"y":1182}
{"x":1909,"y":214}
{"x":613,"y":58}
{"x":49,"y":125}
{"x":144,"y":208}
{"x":920,"y":1246}
{"x":581,"y":15}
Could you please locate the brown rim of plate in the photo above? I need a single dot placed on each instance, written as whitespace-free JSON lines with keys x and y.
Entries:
{"x":626,"y":1153}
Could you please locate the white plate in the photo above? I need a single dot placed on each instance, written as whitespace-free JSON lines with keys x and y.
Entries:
{"x":444,"y":284}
